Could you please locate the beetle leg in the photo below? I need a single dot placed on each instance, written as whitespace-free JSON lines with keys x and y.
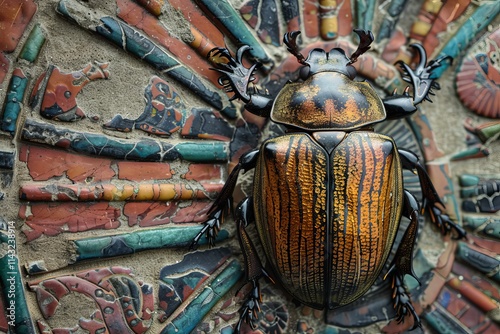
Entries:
{"x":236,"y":78}
{"x":423,"y":82}
{"x":403,"y":263}
{"x":223,"y":202}
{"x":421,"y":78}
{"x":431,"y":200}
{"x":253,"y":267}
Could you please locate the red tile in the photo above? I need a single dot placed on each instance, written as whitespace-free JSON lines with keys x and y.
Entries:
{"x":153,"y":6}
{"x":136,"y":16}
{"x":311,"y":18}
{"x":55,"y":218}
{"x":15,"y":15}
{"x":143,"y":171}
{"x":203,"y":172}
{"x":44,"y":163}
{"x":147,"y":214}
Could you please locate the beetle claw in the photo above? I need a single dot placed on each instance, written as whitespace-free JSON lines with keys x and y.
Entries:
{"x":251,"y":308}
{"x":210,"y":228}
{"x":402,"y":301}
{"x":235,"y":77}
{"x":421,"y":77}
{"x":444,"y":222}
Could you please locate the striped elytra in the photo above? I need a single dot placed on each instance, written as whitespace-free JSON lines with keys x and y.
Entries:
{"x":327,"y":215}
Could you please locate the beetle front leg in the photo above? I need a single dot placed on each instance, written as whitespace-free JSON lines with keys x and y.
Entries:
{"x":403,"y":263}
{"x":431,"y":200}
{"x":223,"y":202}
{"x":236,"y":79}
{"x":253,"y":267}
{"x":399,"y":106}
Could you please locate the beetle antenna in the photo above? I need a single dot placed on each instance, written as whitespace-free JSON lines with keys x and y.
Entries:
{"x":365,"y":39}
{"x":290,"y":40}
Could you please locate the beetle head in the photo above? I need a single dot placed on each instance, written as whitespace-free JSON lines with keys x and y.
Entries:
{"x":336,"y":60}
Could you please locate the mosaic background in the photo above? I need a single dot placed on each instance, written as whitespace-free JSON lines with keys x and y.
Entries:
{"x":115,"y":138}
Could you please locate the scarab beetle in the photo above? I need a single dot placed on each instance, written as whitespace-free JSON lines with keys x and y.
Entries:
{"x":328,"y":195}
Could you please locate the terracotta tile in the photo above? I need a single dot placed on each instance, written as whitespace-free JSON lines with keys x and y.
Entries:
{"x":44,"y":164}
{"x":203,"y":172}
{"x":478,"y":78}
{"x":137,"y":17}
{"x":143,"y":171}
{"x":475,"y":278}
{"x":122,"y":303}
{"x":14,"y":18}
{"x":15,"y":15}
{"x":469,"y":291}
{"x":452,"y":302}
{"x":448,"y":13}
{"x":53,"y":219}
{"x":153,"y":6}
{"x":311,"y":18}
{"x":197,"y":18}
{"x":59,"y":96}
{"x":159,"y":213}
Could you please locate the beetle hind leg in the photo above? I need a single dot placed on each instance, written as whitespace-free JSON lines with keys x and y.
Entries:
{"x":431,"y":200}
{"x":402,"y":263}
{"x":253,"y":267}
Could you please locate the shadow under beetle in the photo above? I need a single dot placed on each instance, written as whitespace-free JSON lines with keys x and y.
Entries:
{"x":328,"y":195}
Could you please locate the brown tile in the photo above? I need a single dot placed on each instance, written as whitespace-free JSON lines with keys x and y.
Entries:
{"x":44,"y":163}
{"x":144,"y":171}
{"x":138,"y":17}
{"x":15,"y":15}
{"x":147,"y":214}
{"x":203,"y":172}
{"x":51,"y":219}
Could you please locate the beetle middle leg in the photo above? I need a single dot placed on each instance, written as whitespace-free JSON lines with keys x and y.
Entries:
{"x":253,"y":267}
{"x":223,"y":202}
{"x":402,"y":263}
{"x":431,"y":200}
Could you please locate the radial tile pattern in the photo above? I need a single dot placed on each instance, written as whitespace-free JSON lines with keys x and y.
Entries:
{"x":116,"y":137}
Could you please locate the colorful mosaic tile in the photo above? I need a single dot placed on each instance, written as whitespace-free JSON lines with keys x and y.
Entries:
{"x":478,"y":79}
{"x":14,"y":19}
{"x":17,"y":88}
{"x":56,"y":91}
{"x":122,"y":302}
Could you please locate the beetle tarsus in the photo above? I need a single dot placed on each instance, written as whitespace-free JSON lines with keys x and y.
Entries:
{"x":251,"y":308}
{"x":210,"y":228}
{"x":444,"y":222}
{"x":402,"y":300}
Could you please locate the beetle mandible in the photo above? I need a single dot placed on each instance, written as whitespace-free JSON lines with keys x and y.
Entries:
{"x":328,"y":195}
